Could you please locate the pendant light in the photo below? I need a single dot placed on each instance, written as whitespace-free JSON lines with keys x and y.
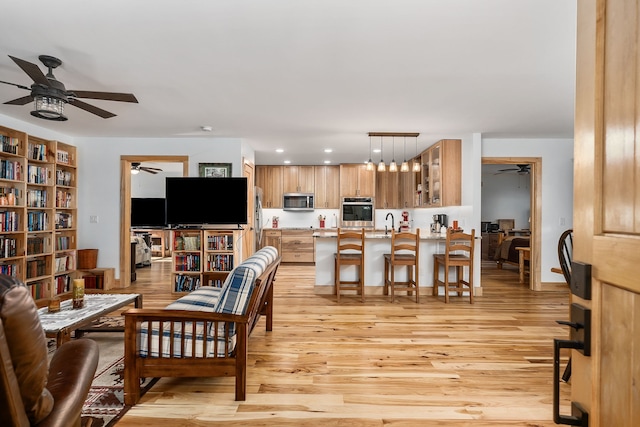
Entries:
{"x":405,"y":164}
{"x":393,"y":166}
{"x":381,"y":166}
{"x":370,"y":162}
{"x":416,"y":161}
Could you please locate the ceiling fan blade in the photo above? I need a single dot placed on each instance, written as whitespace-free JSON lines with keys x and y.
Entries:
{"x":21,"y":101}
{"x":150,"y":170}
{"x":90,"y":108}
{"x":108,"y":96}
{"x":32,"y":71}
{"x":15,"y":84}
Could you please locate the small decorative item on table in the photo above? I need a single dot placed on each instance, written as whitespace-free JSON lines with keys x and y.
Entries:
{"x":78,"y":293}
{"x":322,"y":220}
{"x":54,"y":304}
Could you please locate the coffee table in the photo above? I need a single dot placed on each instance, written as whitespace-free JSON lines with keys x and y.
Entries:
{"x":60,"y":325}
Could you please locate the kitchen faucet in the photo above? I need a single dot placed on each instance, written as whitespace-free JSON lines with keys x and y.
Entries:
{"x":393,"y":226}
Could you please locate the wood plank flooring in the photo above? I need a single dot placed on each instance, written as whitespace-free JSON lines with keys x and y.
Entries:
{"x":376,"y":363}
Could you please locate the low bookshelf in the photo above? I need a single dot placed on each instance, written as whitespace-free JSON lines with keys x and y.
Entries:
{"x":202,"y":258}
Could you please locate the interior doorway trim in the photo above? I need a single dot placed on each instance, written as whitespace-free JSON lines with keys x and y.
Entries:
{"x":535,"y":178}
{"x":125,"y":206}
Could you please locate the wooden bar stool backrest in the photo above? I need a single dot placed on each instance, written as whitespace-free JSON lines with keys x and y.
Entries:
{"x":459,"y":251}
{"x":405,"y":251}
{"x":349,"y":251}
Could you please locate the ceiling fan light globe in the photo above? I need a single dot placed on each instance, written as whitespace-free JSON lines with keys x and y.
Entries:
{"x":48,"y":108}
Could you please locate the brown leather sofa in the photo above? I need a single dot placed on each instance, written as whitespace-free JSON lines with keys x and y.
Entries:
{"x":34,"y":392}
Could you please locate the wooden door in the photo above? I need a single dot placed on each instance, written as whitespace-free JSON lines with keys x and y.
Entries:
{"x":607,"y":209}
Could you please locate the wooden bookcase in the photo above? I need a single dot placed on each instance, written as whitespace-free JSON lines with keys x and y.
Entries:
{"x":202,"y":258}
{"x":38,"y":209}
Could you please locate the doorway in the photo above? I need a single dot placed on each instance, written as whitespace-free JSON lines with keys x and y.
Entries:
{"x":125,"y":205}
{"x":535,"y":194}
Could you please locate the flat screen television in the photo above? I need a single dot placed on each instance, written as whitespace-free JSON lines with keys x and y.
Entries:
{"x":206,"y":201}
{"x":148,"y":212}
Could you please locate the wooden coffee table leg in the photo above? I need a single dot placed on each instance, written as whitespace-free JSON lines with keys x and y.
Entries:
{"x":62,"y":336}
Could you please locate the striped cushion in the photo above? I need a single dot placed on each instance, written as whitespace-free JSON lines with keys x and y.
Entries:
{"x":166,"y":340}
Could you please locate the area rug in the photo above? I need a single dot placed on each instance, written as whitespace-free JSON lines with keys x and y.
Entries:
{"x":104,"y":405}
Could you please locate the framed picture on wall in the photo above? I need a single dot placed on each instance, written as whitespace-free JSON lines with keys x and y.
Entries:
{"x":215,"y":170}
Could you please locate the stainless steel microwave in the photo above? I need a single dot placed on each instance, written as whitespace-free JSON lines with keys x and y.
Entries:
{"x":357,"y":212}
{"x":298,"y":202}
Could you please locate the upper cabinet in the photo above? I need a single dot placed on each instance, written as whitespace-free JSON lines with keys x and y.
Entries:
{"x":298,"y":179}
{"x":387,"y":196}
{"x":442,"y":174}
{"x":407,"y":186}
{"x":327,"y":187}
{"x":356,"y":180}
{"x":269,"y":178}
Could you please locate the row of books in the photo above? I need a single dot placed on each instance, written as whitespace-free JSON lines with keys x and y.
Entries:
{"x":220,"y":243}
{"x":62,"y":156}
{"x":9,"y":144}
{"x":184,"y":283}
{"x":9,"y":221}
{"x":63,"y":284}
{"x":36,"y":245}
{"x":37,"y":198}
{"x":64,"y":220}
{"x":37,"y":175}
{"x":187,"y":243}
{"x":38,"y":152}
{"x":63,"y":199}
{"x":8,"y":247}
{"x":10,"y":169}
{"x":64,"y":178}
{"x":36,"y":268}
{"x":37,"y":221}
{"x":63,"y":243}
{"x":37,"y":289}
{"x":9,"y":269}
{"x":219,"y":262}
{"x":65,"y":263}
{"x":188,"y":262}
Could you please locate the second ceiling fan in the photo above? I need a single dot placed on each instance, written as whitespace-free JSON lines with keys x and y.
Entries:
{"x":136,"y":167}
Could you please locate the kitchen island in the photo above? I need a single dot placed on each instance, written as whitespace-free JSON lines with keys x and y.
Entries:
{"x":377,"y":243}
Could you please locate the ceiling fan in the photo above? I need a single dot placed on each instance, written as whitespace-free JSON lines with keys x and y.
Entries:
{"x":136,"y":167}
{"x":50,"y":96}
{"x":522,"y":169}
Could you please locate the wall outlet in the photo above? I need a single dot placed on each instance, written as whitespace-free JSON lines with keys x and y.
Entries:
{"x":93,"y":219}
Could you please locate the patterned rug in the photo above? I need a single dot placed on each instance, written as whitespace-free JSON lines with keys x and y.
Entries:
{"x":104,"y":405}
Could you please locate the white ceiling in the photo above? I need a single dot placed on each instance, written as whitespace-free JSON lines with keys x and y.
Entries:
{"x":303,"y":75}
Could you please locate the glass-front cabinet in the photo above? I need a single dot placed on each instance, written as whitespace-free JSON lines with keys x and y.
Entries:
{"x":441,"y":174}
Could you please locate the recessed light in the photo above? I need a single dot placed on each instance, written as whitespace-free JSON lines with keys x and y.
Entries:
{"x":287,"y":161}
{"x":206,"y":128}
{"x":326,"y":162}
{"x":328,"y":150}
{"x":279,"y":150}
{"x":376,"y":150}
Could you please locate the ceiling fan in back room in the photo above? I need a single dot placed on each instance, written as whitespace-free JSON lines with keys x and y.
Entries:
{"x":522,"y":169}
{"x":136,"y":167}
{"x":50,"y":96}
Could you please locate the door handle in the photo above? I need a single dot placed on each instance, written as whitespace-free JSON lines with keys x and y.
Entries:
{"x":578,"y":417}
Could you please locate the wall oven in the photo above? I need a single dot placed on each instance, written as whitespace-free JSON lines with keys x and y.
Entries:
{"x":357,"y":212}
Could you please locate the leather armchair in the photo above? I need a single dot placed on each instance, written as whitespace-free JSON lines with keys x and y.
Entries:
{"x":34,"y":392}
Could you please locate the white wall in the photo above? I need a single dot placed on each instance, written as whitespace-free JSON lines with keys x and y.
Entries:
{"x":557,"y":189}
{"x":149,"y":185}
{"x":506,"y":195}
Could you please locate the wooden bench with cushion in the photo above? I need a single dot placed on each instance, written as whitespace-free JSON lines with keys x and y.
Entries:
{"x":204,"y":333}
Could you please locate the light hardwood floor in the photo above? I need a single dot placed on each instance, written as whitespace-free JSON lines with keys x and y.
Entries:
{"x":377,"y":363}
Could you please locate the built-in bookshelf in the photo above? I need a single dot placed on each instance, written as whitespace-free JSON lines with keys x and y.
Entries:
{"x":37,"y":211}
{"x":202,"y":258}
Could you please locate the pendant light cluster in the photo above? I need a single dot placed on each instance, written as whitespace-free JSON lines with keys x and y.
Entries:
{"x":393,"y":166}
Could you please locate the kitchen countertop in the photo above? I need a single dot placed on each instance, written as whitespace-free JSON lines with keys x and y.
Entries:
{"x":380,"y":234}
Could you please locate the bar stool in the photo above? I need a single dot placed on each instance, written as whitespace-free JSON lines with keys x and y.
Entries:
{"x":350,"y":251}
{"x":459,"y":254}
{"x":405,"y":248}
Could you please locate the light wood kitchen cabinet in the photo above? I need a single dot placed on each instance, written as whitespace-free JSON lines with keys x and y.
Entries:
{"x":298,"y":179}
{"x":356,"y":180}
{"x":327,"y":187}
{"x":269,"y":178}
{"x":387,"y":190}
{"x":442,"y":174}
{"x":407,"y":188}
{"x":297,"y":246}
{"x":272,"y":238}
